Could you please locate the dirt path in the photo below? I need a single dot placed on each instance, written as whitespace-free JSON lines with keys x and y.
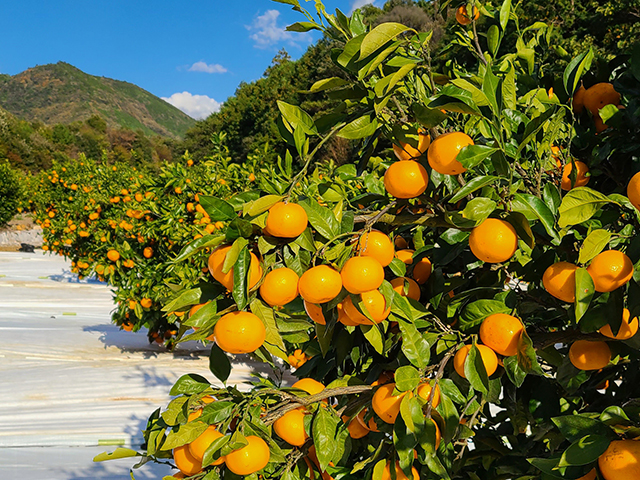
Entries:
{"x":72,"y":383}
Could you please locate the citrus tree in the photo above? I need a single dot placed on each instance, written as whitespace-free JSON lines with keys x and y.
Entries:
{"x":458,"y":302}
{"x":11,"y":193}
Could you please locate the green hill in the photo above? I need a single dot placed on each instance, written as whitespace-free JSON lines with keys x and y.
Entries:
{"x":61,"y":94}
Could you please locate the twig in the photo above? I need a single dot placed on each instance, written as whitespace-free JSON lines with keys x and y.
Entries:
{"x":428,"y":219}
{"x":443,"y":363}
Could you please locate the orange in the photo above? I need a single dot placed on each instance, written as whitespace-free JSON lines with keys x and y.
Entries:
{"x":290,"y":428}
{"x":627,"y":329}
{"x":422,"y":270}
{"x":239,"y":332}
{"x":589,"y":476}
{"x":489,"y":359}
{"x":375,"y":304}
{"x":406,"y":256}
{"x":250,"y":458}
{"x":501,"y":332}
{"x":462,"y":17}
{"x":148,"y":252}
{"x":600,"y":125}
{"x":216,"y":261}
{"x":621,"y":461}
{"x":356,"y":429}
{"x":286,"y":220}
{"x":424,"y":392}
{"x":578,"y":100}
{"x":444,"y":150}
{"x":113,"y":255}
{"x":386,"y":473}
{"x":314,"y":312}
{"x":412,"y":288}
{"x":309,"y":385}
{"x":146,"y":303}
{"x":581,"y":178}
{"x":186,"y":463}
{"x":588,"y":355}
{"x":610,"y":270}
{"x":560,"y":281}
{"x":599,"y":95}
{"x":406,"y":179}
{"x":386,"y":406}
{"x":377,"y":245}
{"x":344,"y":318}
{"x":633,"y":190}
{"x":362,"y":274}
{"x":406,"y":151}
{"x":400,"y":242}
{"x":127,"y":326}
{"x":383,"y":378}
{"x":371,"y":425}
{"x":493,"y":241}
{"x":320,"y":284}
{"x":280,"y":286}
{"x":200,"y":444}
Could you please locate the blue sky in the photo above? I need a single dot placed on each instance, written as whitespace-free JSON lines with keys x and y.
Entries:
{"x":193,"y":53}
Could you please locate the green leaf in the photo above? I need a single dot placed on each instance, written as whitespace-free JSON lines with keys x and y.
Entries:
{"x":475,"y":371}
{"x":515,"y":372}
{"x":303,"y":27}
{"x":575,"y":69}
{"x":414,"y":346}
{"x":478,"y":95}
{"x":491,"y":87}
{"x":205,"y":318}
{"x":321,"y":218}
{"x":265,"y":313}
{"x":428,"y":117}
{"x":475,"y":312}
{"x":232,"y":255}
{"x":585,"y":450}
{"x":474,"y":213}
{"x":523,"y":229}
{"x":297,"y":118}
{"x":406,"y":378}
{"x":190,"y":384}
{"x":197,"y":245}
{"x":373,"y":336}
{"x":574,"y":427}
{"x":551,"y":197}
{"x":183,"y":434}
{"x":584,"y":292}
{"x":595,"y":242}
{"x":117,"y":453}
{"x":535,"y":209}
{"x":214,"y":451}
{"x":218,"y":209}
{"x":379,"y":36}
{"x":364,"y":126}
{"x":216,"y":412}
{"x":240,"y":278}
{"x":324,"y":433}
{"x":398,"y":267}
{"x":219,"y":363}
{"x":579,"y":205}
{"x":260,"y":205}
{"x":449,"y":414}
{"x":475,"y":184}
{"x":472,"y":155}
{"x":505,"y":10}
{"x":493,"y":39}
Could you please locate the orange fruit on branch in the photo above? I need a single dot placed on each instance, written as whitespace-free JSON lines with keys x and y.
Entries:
{"x":621,"y":461}
{"x":309,"y":385}
{"x":422,"y":270}
{"x":374,"y":303}
{"x":444,"y":150}
{"x":589,"y":355}
{"x":462,"y":17}
{"x":599,"y":95}
{"x":280,"y":286}
{"x":249,"y":459}
{"x":386,"y":473}
{"x":633,"y":190}
{"x":493,"y":241}
{"x":239,"y":332}
{"x":501,"y":332}
{"x":627,"y":328}
{"x":113,"y":255}
{"x":286,"y":220}
{"x":578,"y":100}
{"x":385,"y":404}
{"x":343,"y":317}
{"x":581,"y":176}
{"x":185,"y":461}
{"x":356,"y":429}
{"x":362,"y":274}
{"x":377,"y":245}
{"x":406,"y":179}
{"x":407,"y":151}
{"x":489,"y":359}
{"x":216,"y":262}
{"x":609,"y":270}
{"x":200,"y":444}
{"x":560,"y":281}
{"x":320,"y":284}
{"x":290,"y":428}
{"x":314,"y":312}
{"x":424,"y":391}
{"x":406,"y":287}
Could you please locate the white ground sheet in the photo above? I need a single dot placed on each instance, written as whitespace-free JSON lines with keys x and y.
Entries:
{"x":73,"y":385}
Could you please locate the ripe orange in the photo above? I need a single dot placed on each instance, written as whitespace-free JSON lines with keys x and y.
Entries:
{"x":578,"y":100}
{"x":493,"y":241}
{"x":386,"y":406}
{"x":560,"y":281}
{"x":424,"y":392}
{"x":406,"y":151}
{"x":344,"y":318}
{"x":290,"y":428}
{"x":375,"y":304}
{"x":444,"y":150}
{"x":314,"y":312}
{"x":146,"y":303}
{"x":621,"y":461}
{"x":422,"y":270}
{"x":127,"y":326}
{"x":280,"y":286}
{"x":239,"y":332}
{"x":588,"y":355}
{"x":148,"y":252}
{"x":406,"y":179}
{"x":412,"y":288}
{"x":356,"y":429}
{"x":462,"y":17}
{"x":377,"y":245}
{"x":400,"y":243}
{"x":320,"y":284}
{"x":610,"y":270}
{"x":371,"y":425}
{"x":216,"y":261}
{"x":581,"y":178}
{"x":362,"y":274}
{"x":406,"y":256}
{"x":599,"y":95}
{"x":309,"y":385}
{"x":250,"y":458}
{"x":113,"y":255}
{"x":185,"y":461}
{"x":501,"y":332}
{"x":286,"y":220}
{"x":489,"y":359}
{"x":589,"y":476}
{"x":633,"y":190}
{"x":386,"y":473}
{"x":627,"y":329}
{"x":200,"y":444}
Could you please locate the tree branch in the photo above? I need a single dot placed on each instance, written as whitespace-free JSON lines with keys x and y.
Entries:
{"x":428,"y":219}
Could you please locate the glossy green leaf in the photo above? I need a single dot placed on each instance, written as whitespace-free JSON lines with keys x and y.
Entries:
{"x":595,"y":242}
{"x":584,"y":292}
{"x":579,"y":205}
{"x":379,"y":36}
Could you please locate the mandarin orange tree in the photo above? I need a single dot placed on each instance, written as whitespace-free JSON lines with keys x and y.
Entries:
{"x":458,"y":302}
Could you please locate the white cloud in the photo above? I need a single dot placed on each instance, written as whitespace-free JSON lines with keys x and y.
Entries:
{"x":207,"y":68}
{"x":355,"y":4}
{"x":267,"y":32}
{"x":196,"y":106}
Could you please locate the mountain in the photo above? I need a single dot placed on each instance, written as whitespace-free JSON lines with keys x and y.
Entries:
{"x":61,"y":94}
